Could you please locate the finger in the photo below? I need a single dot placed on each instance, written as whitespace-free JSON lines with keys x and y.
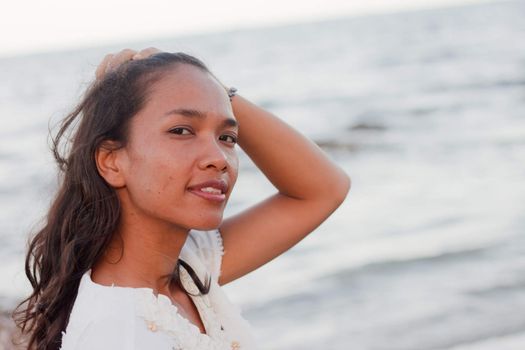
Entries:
{"x":145,"y":53}
{"x":121,"y":57}
{"x":101,"y":69}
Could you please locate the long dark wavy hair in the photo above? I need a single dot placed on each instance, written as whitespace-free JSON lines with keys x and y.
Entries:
{"x":86,"y":210}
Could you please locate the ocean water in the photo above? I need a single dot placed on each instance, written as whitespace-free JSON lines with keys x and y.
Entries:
{"x":425,"y":111}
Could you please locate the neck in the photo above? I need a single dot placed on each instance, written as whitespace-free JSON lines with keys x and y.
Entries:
{"x":141,"y":253}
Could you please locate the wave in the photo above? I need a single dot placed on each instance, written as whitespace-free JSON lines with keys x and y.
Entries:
{"x":393,"y":266}
{"x":498,"y":84}
{"x":497,"y":291}
{"x":513,"y":339}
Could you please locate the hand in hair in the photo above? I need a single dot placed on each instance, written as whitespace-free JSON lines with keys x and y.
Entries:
{"x":112,"y":61}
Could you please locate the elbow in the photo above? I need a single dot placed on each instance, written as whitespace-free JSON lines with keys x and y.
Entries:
{"x":340,"y":188}
{"x":346,"y":184}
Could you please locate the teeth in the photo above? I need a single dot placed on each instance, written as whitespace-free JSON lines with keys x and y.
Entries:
{"x":211,"y":190}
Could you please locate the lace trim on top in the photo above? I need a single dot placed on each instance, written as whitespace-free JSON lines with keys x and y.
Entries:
{"x":220,"y":246}
{"x":219,"y":242}
{"x":160,"y":314}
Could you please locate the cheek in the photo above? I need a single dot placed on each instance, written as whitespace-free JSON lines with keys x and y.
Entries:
{"x":233,"y":160}
{"x":157,"y":172}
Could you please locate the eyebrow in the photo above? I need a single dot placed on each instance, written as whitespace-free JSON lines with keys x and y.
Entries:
{"x":193,"y":113}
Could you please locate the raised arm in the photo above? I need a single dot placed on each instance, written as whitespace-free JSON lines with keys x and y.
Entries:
{"x":310,"y":187}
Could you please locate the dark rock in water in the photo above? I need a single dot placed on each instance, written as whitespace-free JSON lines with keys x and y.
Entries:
{"x":422,"y":111}
{"x":365,"y":126}
{"x":336,"y":145}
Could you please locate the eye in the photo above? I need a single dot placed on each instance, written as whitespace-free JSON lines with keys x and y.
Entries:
{"x":232,"y":138}
{"x":181,"y":131}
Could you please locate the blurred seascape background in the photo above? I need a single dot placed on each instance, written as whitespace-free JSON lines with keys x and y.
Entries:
{"x":425,"y":110}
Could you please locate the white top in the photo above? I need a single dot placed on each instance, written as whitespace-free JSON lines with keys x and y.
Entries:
{"x":125,"y":318}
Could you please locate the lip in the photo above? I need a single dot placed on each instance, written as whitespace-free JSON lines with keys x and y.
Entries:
{"x":218,"y":184}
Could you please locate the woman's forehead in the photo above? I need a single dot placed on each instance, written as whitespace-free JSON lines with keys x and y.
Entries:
{"x":194,"y":97}
{"x":190,"y":88}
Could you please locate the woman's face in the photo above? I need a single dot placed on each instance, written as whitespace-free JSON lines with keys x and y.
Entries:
{"x":172,"y":150}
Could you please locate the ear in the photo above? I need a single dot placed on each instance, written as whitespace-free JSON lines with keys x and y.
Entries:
{"x":109,"y":159}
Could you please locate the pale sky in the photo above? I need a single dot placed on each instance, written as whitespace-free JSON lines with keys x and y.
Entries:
{"x":44,"y":25}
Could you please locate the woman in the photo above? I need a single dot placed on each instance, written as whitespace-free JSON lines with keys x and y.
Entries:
{"x":135,"y":248}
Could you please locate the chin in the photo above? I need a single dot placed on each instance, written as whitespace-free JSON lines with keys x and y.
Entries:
{"x":207,"y":225}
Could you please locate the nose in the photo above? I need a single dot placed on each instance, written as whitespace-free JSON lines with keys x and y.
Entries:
{"x":214,"y":156}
